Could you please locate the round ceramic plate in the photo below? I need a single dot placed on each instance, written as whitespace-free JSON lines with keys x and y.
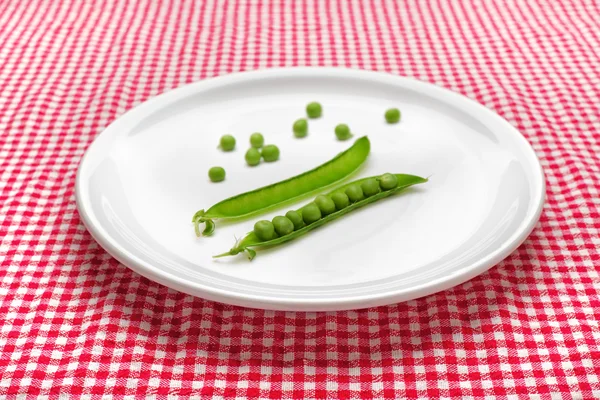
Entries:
{"x":144,"y":177}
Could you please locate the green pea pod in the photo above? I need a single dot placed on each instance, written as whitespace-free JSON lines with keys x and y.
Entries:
{"x":268,"y":197}
{"x":251,"y":241}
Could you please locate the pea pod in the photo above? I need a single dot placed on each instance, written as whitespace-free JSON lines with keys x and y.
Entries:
{"x":251,"y":240}
{"x":274,"y":195}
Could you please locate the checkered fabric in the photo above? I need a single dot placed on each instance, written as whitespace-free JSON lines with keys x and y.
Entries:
{"x":75,"y":321}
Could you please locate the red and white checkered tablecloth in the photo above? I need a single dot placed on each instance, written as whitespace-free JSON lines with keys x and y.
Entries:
{"x":75,"y":321}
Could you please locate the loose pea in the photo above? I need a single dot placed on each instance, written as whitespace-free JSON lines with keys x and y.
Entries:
{"x":253,"y":156}
{"x":270,"y":153}
{"x":216,"y":174}
{"x":283,"y":225}
{"x":392,"y":116}
{"x":257,"y":140}
{"x":370,"y":187}
{"x":354,"y":193}
{"x":264,"y":230}
{"x":325,"y":204}
{"x":300,"y":128}
{"x":342,"y":131}
{"x":227,"y":143}
{"x":341,"y":200}
{"x":388,"y":181}
{"x":311,"y":213}
{"x":296,"y":219}
{"x":314,"y":110}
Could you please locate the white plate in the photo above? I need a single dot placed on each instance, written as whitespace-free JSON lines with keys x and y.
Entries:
{"x":144,"y":177}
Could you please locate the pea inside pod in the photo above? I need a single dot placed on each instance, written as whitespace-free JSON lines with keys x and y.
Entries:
{"x":311,"y":213}
{"x":340,"y":200}
{"x":388,"y":181}
{"x":264,"y":230}
{"x":354,"y":193}
{"x":296,"y":218}
{"x":325,"y":204}
{"x":370,"y":187}
{"x":283,"y":225}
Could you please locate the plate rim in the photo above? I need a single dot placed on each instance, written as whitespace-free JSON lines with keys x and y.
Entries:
{"x":273,"y":302}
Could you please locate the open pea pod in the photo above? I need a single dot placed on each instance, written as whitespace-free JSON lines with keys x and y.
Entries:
{"x":268,"y":197}
{"x":251,"y":240}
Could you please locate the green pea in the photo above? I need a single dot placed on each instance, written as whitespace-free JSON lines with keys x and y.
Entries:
{"x":354,"y":193}
{"x":311,"y":213}
{"x":300,"y":128}
{"x":283,"y":225}
{"x":227,"y":143}
{"x":388,"y":181}
{"x":296,"y":219}
{"x":342,"y":131}
{"x":252,"y":156}
{"x":216,"y":174}
{"x":257,"y":140}
{"x":341,"y":200}
{"x":264,"y":230}
{"x":392,"y":116}
{"x":325,"y":204}
{"x":314,"y":110}
{"x":370,"y":187}
{"x":270,"y":153}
